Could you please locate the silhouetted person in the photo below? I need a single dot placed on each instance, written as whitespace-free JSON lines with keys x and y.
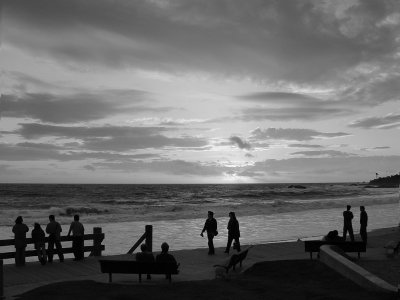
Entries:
{"x":333,"y":236}
{"x":363,"y":224}
{"x":145,"y":256}
{"x":20,"y":229}
{"x":211,"y":227}
{"x":233,"y":233}
{"x":38,"y":237}
{"x":78,"y":232}
{"x":347,"y":223}
{"x":54,"y":230}
{"x":164,"y":256}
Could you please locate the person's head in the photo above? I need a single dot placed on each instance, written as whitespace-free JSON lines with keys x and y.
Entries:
{"x":164,"y":247}
{"x":348,"y":207}
{"x":232,"y":214}
{"x":210,"y":214}
{"x":52,"y":218}
{"x":143,"y":247}
{"x":36,"y":226}
{"x":76,"y":218}
{"x":362,"y":208}
{"x":335,"y":233}
{"x":19,"y":220}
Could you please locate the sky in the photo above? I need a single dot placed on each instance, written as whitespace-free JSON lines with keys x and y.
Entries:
{"x":186,"y":91}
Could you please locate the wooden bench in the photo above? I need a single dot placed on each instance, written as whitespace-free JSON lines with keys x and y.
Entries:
{"x":111,"y":266}
{"x":314,"y":246}
{"x":234,"y":260}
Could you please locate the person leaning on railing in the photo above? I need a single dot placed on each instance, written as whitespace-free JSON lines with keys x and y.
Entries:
{"x":20,"y":229}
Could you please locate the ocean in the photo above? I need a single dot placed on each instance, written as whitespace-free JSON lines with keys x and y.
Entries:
{"x":266,"y":212}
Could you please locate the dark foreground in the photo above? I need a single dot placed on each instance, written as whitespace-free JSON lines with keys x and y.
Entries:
{"x":294,"y":279}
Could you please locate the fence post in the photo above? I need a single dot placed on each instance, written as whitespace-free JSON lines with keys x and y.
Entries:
{"x":97,"y":231}
{"x":1,"y":280}
{"x":149,"y":237}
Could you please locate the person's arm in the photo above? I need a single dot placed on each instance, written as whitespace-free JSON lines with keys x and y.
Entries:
{"x":204,"y":228}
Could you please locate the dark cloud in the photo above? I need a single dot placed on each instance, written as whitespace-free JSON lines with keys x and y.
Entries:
{"x":304,"y":146}
{"x":171,"y":167}
{"x":77,"y":107}
{"x":386,"y":122}
{"x":310,"y":169}
{"x":42,"y":152}
{"x":328,"y":153}
{"x":296,"y":134}
{"x":235,"y":140}
{"x":279,"y":98}
{"x":113,"y":138}
{"x":301,"y":41}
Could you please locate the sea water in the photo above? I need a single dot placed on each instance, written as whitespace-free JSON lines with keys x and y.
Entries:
{"x":266,"y":212}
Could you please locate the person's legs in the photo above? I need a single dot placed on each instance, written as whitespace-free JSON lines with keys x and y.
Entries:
{"x":81,"y":248}
{"x":50,"y":250}
{"x":211,"y":249}
{"x":59,"y":250}
{"x":351,"y":234}
{"x":344,"y":233}
{"x":237,"y":244}
{"x":363,"y":234}
{"x":228,"y":244}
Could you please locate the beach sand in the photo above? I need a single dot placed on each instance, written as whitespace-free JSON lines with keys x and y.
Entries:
{"x":197,"y":271}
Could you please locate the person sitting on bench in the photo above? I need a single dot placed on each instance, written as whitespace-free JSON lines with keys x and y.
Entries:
{"x":145,"y":256}
{"x":165,"y":257}
{"x":333,"y":236}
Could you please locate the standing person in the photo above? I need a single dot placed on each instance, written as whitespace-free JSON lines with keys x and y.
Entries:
{"x":347,"y":223}
{"x":54,"y":230}
{"x":211,"y":227}
{"x":20,"y":229}
{"x":363,"y":224}
{"x":233,"y":233}
{"x":38,"y":237}
{"x":78,"y":232}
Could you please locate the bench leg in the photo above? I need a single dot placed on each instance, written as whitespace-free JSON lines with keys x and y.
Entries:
{"x":358,"y":255}
{"x":140,"y":277}
{"x":109,"y":277}
{"x":311,"y":255}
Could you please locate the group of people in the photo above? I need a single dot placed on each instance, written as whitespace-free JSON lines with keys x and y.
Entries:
{"x":147,"y":256}
{"x":53,"y":229}
{"x":210,"y":226}
{"x":348,"y":226}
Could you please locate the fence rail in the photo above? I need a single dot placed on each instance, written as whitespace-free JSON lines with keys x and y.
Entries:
{"x":95,"y":250}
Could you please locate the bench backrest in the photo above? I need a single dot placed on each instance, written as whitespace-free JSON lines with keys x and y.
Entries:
{"x":313,"y":246}
{"x":135,"y":267}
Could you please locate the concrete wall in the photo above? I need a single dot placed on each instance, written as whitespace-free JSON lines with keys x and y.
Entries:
{"x":353,"y":271}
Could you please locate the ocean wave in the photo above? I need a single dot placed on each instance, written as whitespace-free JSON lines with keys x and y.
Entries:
{"x":70,"y":211}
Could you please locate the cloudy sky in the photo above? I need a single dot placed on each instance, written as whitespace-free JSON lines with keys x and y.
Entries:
{"x":158,"y":91}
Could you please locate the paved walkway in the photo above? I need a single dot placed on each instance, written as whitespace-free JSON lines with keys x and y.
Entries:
{"x":194,"y":264}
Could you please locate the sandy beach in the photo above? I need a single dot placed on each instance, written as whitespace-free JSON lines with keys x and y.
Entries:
{"x":197,"y":269}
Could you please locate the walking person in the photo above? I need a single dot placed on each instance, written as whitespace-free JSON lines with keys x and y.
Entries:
{"x":211,"y":227}
{"x":78,"y":232}
{"x":38,"y":237}
{"x":347,"y":223}
{"x":54,"y":230}
{"x":233,"y":233}
{"x":363,"y":224}
{"x":20,"y":229}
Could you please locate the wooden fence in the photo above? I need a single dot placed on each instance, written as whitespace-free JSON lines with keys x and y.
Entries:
{"x":95,"y":249}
